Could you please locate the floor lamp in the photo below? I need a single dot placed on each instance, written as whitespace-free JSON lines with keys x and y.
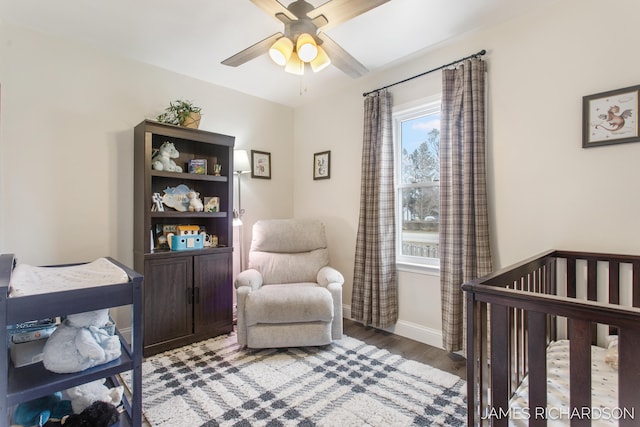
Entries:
{"x":240,"y":166}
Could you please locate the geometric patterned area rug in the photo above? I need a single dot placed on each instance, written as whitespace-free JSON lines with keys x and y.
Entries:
{"x":346,"y":383}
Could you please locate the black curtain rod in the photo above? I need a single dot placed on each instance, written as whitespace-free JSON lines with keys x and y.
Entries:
{"x":475,"y":55}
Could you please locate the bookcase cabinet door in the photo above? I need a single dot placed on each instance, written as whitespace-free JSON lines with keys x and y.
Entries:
{"x":168,"y":305}
{"x":213,"y":294}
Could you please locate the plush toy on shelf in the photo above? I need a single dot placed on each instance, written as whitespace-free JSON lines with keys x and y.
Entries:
{"x":98,"y":414}
{"x":84,"y":395}
{"x":81,"y":342}
{"x":195,"y":204}
{"x":162,"y":158}
{"x":38,"y":411}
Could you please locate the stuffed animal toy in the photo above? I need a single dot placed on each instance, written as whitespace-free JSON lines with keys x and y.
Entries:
{"x":38,"y":411}
{"x":161,"y":160}
{"x":99,"y":414}
{"x":195,"y":204}
{"x":84,"y":395}
{"x":79,"y":343}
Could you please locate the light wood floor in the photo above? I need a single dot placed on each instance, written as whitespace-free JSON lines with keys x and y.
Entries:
{"x":407,"y":348}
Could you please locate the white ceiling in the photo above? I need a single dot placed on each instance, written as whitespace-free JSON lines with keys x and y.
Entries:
{"x":193,"y":37}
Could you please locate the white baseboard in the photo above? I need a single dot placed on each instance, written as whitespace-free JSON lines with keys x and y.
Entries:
{"x":414,"y":331}
{"x":346,"y":311}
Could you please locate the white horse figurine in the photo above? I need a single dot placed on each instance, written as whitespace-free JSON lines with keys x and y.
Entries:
{"x":162,"y":158}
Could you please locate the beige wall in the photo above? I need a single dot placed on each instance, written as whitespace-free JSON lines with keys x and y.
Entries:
{"x":66,"y":150}
{"x":66,"y":146}
{"x":546,"y":191}
{"x":67,"y":114}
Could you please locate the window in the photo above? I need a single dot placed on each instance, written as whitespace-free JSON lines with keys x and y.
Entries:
{"x":417,"y":181}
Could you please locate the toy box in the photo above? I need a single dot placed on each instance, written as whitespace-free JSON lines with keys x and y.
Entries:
{"x":33,"y":330}
{"x":181,"y":243}
{"x":27,"y":353}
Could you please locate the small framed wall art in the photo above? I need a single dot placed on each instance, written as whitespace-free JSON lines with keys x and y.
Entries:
{"x":322,"y":165}
{"x":610,"y":117}
{"x":260,"y":164}
{"x":212,"y":204}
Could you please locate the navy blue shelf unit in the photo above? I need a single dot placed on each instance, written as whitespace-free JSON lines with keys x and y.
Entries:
{"x":33,"y":381}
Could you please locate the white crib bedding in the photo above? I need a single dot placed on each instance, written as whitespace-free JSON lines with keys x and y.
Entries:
{"x":30,"y":280}
{"x":604,"y":383}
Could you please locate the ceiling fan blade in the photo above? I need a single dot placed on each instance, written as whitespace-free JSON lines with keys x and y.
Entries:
{"x":273,"y":7}
{"x":252,"y":52}
{"x":339,"y":11}
{"x":284,"y":18}
{"x":341,"y":58}
{"x":319,"y":21}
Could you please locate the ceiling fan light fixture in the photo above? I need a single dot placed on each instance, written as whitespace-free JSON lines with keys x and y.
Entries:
{"x":281,"y":51}
{"x":294,"y":65}
{"x":306,"y":47}
{"x":321,"y":61}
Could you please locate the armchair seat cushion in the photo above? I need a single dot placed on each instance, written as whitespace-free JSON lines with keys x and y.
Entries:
{"x":289,"y":303}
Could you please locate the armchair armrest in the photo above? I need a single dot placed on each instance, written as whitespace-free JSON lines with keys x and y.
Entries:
{"x":250,"y":277}
{"x":328,"y":275}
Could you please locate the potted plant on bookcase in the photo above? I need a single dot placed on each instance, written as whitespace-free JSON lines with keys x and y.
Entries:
{"x":181,"y":113}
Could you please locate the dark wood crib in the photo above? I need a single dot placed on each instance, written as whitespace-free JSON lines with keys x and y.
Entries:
{"x":513,"y":314}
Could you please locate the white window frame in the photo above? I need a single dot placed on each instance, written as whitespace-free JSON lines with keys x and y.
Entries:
{"x":402,"y":113}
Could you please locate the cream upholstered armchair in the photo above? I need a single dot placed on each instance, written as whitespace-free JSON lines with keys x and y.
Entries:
{"x":289,"y":296}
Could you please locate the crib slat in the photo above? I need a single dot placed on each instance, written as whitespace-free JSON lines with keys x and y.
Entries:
{"x":537,"y":366}
{"x":592,"y":280}
{"x":553,"y":290}
{"x":499,"y":363}
{"x":614,"y":288}
{"x":614,"y":282}
{"x":629,"y":375}
{"x":571,"y":277}
{"x":636,"y":283}
{"x":592,"y":293}
{"x":580,"y":369}
{"x":471,"y":352}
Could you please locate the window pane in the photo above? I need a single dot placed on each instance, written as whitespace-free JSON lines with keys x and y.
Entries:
{"x":420,"y":138}
{"x":419,"y":179}
{"x":420,"y":220}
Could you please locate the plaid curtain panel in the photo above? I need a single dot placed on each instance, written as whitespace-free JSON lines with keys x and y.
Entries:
{"x":374,"y":296}
{"x":464,"y":226}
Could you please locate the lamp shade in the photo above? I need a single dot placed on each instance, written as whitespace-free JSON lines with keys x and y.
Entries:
{"x":306,"y":47}
{"x":281,"y":50}
{"x":241,"y":161}
{"x":321,"y":61}
{"x":294,"y":65}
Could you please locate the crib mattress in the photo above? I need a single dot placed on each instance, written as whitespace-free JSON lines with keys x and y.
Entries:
{"x":604,"y":384}
{"x":30,"y":280}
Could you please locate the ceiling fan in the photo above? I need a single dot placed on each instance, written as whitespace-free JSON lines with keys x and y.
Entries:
{"x":302,"y":42}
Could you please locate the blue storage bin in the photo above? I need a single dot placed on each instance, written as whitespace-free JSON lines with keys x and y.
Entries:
{"x":181,"y":243}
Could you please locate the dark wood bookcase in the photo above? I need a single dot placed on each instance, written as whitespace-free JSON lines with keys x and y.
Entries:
{"x":187,"y":293}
